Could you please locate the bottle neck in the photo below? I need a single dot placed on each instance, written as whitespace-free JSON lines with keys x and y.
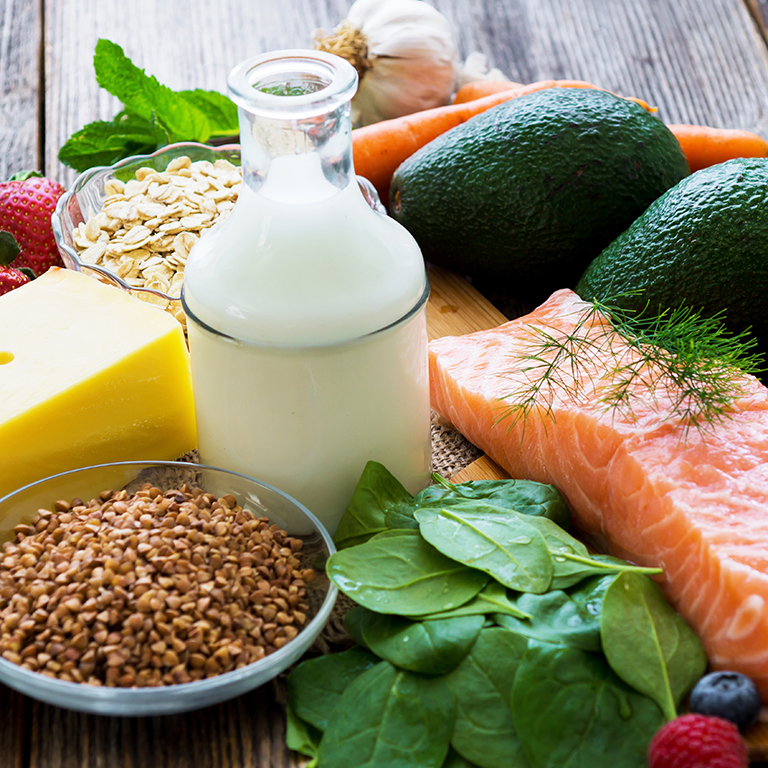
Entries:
{"x":299,"y":151}
{"x":294,"y":110}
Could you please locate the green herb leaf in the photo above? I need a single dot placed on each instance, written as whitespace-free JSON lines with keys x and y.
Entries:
{"x":219,"y":109}
{"x":623,"y":357}
{"x":567,"y":617}
{"x":389,"y":717}
{"x":484,"y":732}
{"x":302,"y":737}
{"x":398,"y":572}
{"x":401,"y":516}
{"x":427,"y":647}
{"x":377,"y":491}
{"x":353,"y":620}
{"x":497,"y":541}
{"x":571,"y":560}
{"x":647,"y":644}
{"x":491,"y":599}
{"x":315,"y":686}
{"x":105,"y":142}
{"x":526,"y":497}
{"x":142,"y":94}
{"x":455,"y":760}
{"x":153,"y":115}
{"x":570,"y":710}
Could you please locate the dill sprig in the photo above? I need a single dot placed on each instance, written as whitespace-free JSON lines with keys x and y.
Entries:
{"x":690,"y":360}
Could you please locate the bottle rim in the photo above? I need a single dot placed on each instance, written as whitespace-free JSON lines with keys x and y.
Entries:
{"x":337,"y":80}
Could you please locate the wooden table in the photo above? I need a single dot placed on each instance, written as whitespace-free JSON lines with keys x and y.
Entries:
{"x":698,"y":61}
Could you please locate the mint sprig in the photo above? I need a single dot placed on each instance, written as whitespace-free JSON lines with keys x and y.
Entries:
{"x":153,"y":114}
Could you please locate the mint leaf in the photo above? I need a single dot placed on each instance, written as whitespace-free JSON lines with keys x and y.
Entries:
{"x":220,"y":110}
{"x":104,"y":142}
{"x":142,"y":94}
{"x":153,"y":115}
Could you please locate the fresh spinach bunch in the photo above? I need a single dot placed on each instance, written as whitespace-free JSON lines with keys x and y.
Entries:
{"x":486,"y":636}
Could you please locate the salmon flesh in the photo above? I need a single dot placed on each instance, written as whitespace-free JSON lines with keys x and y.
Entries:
{"x":638,"y":479}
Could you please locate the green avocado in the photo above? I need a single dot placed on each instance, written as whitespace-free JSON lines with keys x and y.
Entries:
{"x":704,"y":243}
{"x":530,"y":191}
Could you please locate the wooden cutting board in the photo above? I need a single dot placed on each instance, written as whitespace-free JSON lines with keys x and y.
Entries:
{"x":455,"y":308}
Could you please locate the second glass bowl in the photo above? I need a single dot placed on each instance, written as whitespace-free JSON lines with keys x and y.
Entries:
{"x":261,"y":499}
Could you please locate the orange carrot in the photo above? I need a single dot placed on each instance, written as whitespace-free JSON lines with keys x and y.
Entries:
{"x":705,"y":146}
{"x":479,"y":88}
{"x":379,"y":148}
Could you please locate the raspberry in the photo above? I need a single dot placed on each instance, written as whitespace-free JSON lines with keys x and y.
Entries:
{"x":698,"y":741}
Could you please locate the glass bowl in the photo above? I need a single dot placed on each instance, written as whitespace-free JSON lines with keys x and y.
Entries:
{"x":86,"y":196}
{"x":263,"y":500}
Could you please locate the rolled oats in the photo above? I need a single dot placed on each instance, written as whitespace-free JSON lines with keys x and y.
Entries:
{"x":148,"y":225}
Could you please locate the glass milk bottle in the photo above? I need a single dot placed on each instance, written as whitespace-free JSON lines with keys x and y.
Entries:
{"x":307,"y":308}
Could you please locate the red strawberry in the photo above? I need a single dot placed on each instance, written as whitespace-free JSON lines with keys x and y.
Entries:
{"x":698,"y":741}
{"x":11,"y":278}
{"x":26,"y":204}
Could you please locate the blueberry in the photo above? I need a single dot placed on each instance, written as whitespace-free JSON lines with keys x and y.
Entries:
{"x":729,"y":695}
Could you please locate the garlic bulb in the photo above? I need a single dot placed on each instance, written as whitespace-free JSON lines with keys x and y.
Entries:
{"x":404,"y":53}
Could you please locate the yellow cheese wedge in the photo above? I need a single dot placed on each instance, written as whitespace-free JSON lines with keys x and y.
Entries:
{"x":88,"y":374}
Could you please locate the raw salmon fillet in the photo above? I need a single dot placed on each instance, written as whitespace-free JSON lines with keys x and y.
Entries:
{"x":693,"y":503}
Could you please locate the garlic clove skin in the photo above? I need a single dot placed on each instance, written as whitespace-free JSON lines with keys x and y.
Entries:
{"x":412,"y":57}
{"x":384,"y":94}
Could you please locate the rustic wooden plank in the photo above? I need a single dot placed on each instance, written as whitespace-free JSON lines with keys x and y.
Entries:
{"x":13,"y":736}
{"x":759,"y":11}
{"x":455,"y":307}
{"x":698,"y":62}
{"x":704,"y":63}
{"x":184,"y":45}
{"x":246,"y":732}
{"x":20,"y":36}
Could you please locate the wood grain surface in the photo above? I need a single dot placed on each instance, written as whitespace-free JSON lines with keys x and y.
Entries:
{"x":699,"y":62}
{"x":20,"y":73}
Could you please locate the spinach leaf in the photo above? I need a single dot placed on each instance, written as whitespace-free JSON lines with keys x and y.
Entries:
{"x":571,"y":711}
{"x":499,"y":542}
{"x":647,"y":644}
{"x":524,"y":496}
{"x":388,"y":717}
{"x":377,"y":491}
{"x":571,"y":560}
{"x":302,"y":737}
{"x":399,"y":572}
{"x":353,"y":620}
{"x":428,"y":647}
{"x":568,"y":617}
{"x":484,"y":732}
{"x":315,"y":686}
{"x":400,"y":516}
{"x":454,"y":760}
{"x":491,"y":599}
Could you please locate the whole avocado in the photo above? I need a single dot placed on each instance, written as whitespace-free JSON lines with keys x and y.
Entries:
{"x":704,"y":243}
{"x":530,"y":191}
